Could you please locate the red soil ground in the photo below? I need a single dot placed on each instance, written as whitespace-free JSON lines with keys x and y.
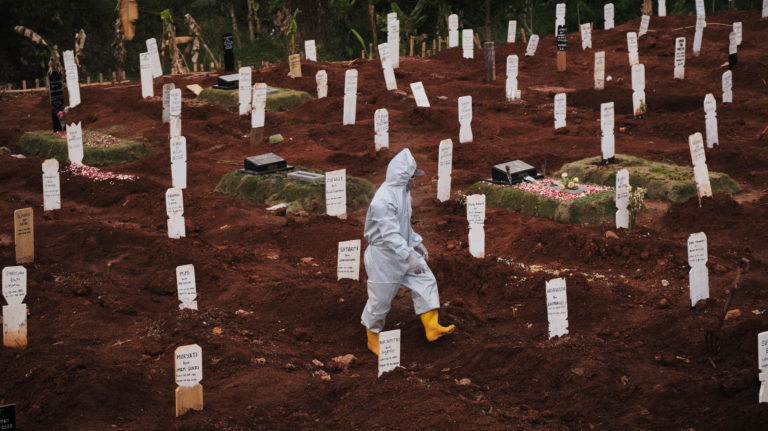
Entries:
{"x":104,"y":318}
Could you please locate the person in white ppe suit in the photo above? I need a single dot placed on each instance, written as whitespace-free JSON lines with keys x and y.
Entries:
{"x":396,"y":256}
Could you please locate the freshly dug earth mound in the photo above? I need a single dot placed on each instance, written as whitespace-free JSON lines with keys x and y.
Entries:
{"x":662,"y":180}
{"x":283,"y":100}
{"x":50,"y":145}
{"x":300,"y":196}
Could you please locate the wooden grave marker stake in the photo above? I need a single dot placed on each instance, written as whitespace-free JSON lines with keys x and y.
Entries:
{"x":15,"y":313}
{"x":188,"y":365}
{"x":490,"y":61}
{"x":24,"y":235}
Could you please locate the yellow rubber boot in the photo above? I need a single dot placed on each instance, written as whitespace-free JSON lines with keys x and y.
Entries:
{"x":432,"y":328}
{"x":373,"y":341}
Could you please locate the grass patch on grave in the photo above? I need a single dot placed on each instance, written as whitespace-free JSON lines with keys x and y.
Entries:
{"x":283,"y":100}
{"x":98,"y":148}
{"x":597,"y":207}
{"x":661,"y":180}
{"x":300,"y":196}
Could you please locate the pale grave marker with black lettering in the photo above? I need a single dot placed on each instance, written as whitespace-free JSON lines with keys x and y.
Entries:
{"x":186,"y":287}
{"x":294,"y":65}
{"x":632,"y":48}
{"x":738,"y":28}
{"x":608,"y":16}
{"x":444,"y":168}
{"x":511,"y":31}
{"x":698,"y":35}
{"x":533,"y":42}
{"x":680,"y":58}
{"x":145,"y":68}
{"x":350,"y":97}
{"x":512,"y":91}
{"x":175,"y":109}
{"x":336,"y":193}
{"x":644,"y":22}
{"x":310,"y":51}
{"x":465,"y":119}
{"x":381,"y":129}
{"x":762,"y":364}
{"x":75,"y":143}
{"x":710,"y":116}
{"x":51,"y":185}
{"x":476,"y":219}
{"x":244,"y":90}
{"x":174,"y":207}
{"x":560,"y":110}
{"x":607,"y":142}
{"x":73,"y":82}
{"x":179,"y":162}
{"x":559,"y":16}
{"x":453,"y":31}
{"x":389,"y":350}
{"x":386,"y":66}
{"x":24,"y":235}
{"x":698,"y":276}
{"x":662,"y":8}
{"x":167,"y":101}
{"x":600,"y":70}
{"x":188,"y":364}
{"x":586,"y":36}
{"x":15,"y":313}
{"x":622,"y":199}
{"x":348,"y":260}
{"x":258,"y":106}
{"x":467,"y":40}
{"x":393,"y":39}
{"x":557,"y":307}
{"x":700,"y":170}
{"x":638,"y":88}
{"x":417,"y":88}
{"x":321,"y":78}
{"x":727,"y":86}
{"x":154,"y":58}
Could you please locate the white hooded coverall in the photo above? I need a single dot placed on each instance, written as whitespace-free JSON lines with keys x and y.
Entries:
{"x":390,"y":241}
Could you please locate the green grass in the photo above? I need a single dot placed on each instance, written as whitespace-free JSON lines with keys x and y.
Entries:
{"x":300,"y":196}
{"x":662,"y":180}
{"x":47,"y":145}
{"x":283,"y":100}
{"x":591,"y":209}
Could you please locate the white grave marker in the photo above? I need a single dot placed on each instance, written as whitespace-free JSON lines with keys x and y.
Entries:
{"x":51,"y":185}
{"x":14,"y":284}
{"x":73,"y":82}
{"x":737,"y":28}
{"x":444,"y":168}
{"x":680,"y":58}
{"x":644,"y":22}
{"x":174,"y":207}
{"x":699,"y":274}
{"x":167,"y":102}
{"x":622,"y":199}
{"x":476,"y":219}
{"x":417,"y":88}
{"x":733,"y":46}
{"x":321,"y":77}
{"x":75,"y":143}
{"x":632,"y":48}
{"x":381,"y":128}
{"x":350,"y":97}
{"x":336,"y":193}
{"x":179,"y":162}
{"x":557,"y":307}
{"x":453,"y":31}
{"x":560,"y":109}
{"x":466,"y":43}
{"x":607,"y":143}
{"x":638,"y":88}
{"x":586,"y":36}
{"x":386,"y":65}
{"x":700,"y":170}
{"x":174,"y":105}
{"x":389,"y":350}
{"x":310,"y":52}
{"x":393,"y":39}
{"x":700,"y":10}
{"x":186,"y":287}
{"x":765,"y":9}
{"x":465,"y":119}
{"x":762,"y":355}
{"x":259,"y":104}
{"x":511,"y":85}
{"x":154,"y":58}
{"x":188,"y":364}
{"x":698,"y":35}
{"x":600,"y":70}
{"x":608,"y":16}
{"x":662,"y":8}
{"x":244,"y":90}
{"x":710,"y":115}
{"x":727,"y":87}
{"x":559,"y":16}
{"x":15,"y":313}
{"x":511,"y":31}
{"x":348,"y":260}
{"x":533,"y":42}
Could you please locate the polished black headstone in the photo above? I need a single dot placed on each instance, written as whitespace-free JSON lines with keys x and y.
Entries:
{"x":264,"y":164}
{"x":8,"y":417}
{"x":56,"y":91}
{"x":228,"y":82}
{"x":518,"y":170}
{"x":229,"y":52}
{"x":561,"y":38}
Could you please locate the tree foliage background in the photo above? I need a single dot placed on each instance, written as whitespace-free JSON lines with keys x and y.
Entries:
{"x":329,"y":22}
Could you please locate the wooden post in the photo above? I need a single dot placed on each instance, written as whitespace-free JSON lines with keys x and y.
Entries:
{"x":434,"y":44}
{"x":522,"y":34}
{"x":410,"y":52}
{"x":23,"y":84}
{"x":439,"y":43}
{"x":124,"y":76}
{"x":194,"y":67}
{"x":490,"y":62}
{"x":423,"y":49}
{"x":101,"y":77}
{"x":561,"y":65}
{"x":24,"y":235}
{"x":374,"y":30}
{"x":189,"y":398}
{"x":47,"y":82}
{"x":239,"y":64}
{"x":370,"y":51}
{"x":88,"y":80}
{"x":476,"y":38}
{"x":362,"y":54}
{"x":211,"y":66}
{"x":37,"y":82}
{"x":114,"y":76}
{"x":257,"y":136}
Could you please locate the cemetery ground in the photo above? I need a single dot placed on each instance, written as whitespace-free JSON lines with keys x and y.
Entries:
{"x":104,"y":318}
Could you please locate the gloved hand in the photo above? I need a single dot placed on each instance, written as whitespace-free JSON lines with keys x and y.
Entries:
{"x":416,"y":264}
{"x":422,"y":251}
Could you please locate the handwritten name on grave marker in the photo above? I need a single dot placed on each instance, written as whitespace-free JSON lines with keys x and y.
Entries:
{"x":321,"y":78}
{"x":51,"y":185}
{"x":586,"y":36}
{"x":599,"y":70}
{"x":154,"y":58}
{"x":73,"y":82}
{"x":533,"y":42}
{"x":174,"y":208}
{"x":24,"y":235}
{"x":710,"y":117}
{"x":244,"y":90}
{"x":417,"y":88}
{"x":186,"y":287}
{"x":75,"y":143}
{"x":389,"y":350}
{"x":632,"y":48}
{"x":476,"y":219}
{"x":350,"y":97}
{"x":511,"y":31}
{"x":644,"y":22}
{"x":607,"y":143}
{"x":699,"y":274}
{"x":348,"y":260}
{"x":336,"y":193}
{"x":188,"y":365}
{"x":258,"y":105}
{"x":560,"y":110}
{"x":465,"y":119}
{"x":512,"y":91}
{"x":622,"y":199}
{"x":557,"y":307}
{"x":15,"y":313}
{"x":444,"y":168}
{"x":14,"y":284}
{"x":381,"y":129}
{"x":310,"y":52}
{"x":294,"y":65}
{"x":167,"y":101}
{"x":680,"y":58}
{"x":145,"y":68}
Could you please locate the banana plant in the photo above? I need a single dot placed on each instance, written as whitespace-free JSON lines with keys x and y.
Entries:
{"x":293,"y":27}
